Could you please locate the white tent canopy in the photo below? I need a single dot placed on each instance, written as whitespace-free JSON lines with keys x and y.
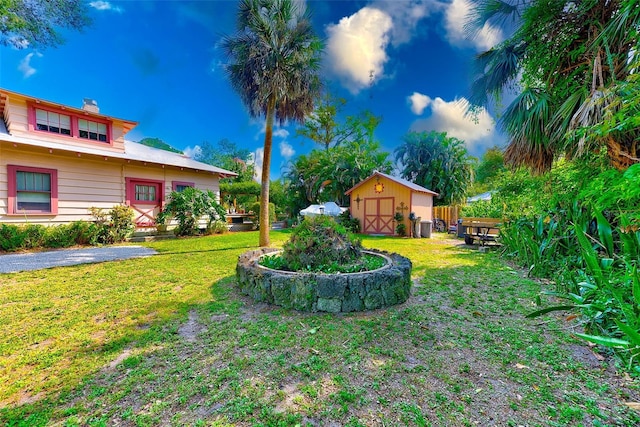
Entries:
{"x":329,"y":208}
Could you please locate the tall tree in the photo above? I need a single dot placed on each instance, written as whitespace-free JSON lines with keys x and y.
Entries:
{"x":437,"y":162}
{"x":274,"y":58}
{"x":323,"y":176}
{"x":158,"y":143}
{"x":323,"y":125}
{"x":227,"y":155}
{"x":34,"y":23}
{"x":567,"y":60}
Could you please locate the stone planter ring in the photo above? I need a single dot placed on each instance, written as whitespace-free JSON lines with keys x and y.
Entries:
{"x":340,"y":292}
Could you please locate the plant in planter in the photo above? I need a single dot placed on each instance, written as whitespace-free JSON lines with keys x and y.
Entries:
{"x":324,"y":268}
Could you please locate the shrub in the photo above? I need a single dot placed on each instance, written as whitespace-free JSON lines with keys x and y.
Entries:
{"x":121,"y":224}
{"x":188,"y":207}
{"x":11,"y":237}
{"x":320,"y":241}
{"x":350,"y":223}
{"x":255,"y":208}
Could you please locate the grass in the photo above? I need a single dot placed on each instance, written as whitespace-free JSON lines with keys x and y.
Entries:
{"x":167,"y":340}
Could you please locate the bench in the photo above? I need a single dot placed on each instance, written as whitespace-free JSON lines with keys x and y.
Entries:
{"x":481,"y":229}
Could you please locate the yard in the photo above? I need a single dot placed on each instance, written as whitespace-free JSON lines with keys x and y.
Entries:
{"x":168,"y":340}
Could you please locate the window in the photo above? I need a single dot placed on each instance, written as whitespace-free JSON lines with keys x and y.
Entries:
{"x":145,"y":193}
{"x":94,"y":131}
{"x":53,"y":122}
{"x":69,"y":123}
{"x":32,"y":190}
{"x":179,"y":186}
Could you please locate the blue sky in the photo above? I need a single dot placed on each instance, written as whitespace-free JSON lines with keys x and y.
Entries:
{"x":158,"y":63}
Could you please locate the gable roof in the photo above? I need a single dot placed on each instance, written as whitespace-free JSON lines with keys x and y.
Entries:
{"x":412,"y":186}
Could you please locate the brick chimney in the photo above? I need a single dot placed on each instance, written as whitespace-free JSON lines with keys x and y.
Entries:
{"x":90,"y":105}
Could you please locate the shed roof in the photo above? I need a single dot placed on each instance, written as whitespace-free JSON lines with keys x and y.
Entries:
{"x":410,"y":185}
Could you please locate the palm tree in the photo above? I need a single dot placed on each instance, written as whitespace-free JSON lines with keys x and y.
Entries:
{"x":274,"y":58}
{"x":567,"y":60}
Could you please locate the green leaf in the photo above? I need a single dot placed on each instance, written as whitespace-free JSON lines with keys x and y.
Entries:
{"x":605,"y":233}
{"x":631,"y":333}
{"x":605,"y":341}
{"x":550,"y":309}
{"x":589,"y":255}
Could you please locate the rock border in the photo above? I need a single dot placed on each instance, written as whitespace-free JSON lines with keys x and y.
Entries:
{"x":333,"y":293}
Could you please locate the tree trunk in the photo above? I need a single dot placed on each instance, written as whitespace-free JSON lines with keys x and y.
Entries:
{"x":266,"y":166}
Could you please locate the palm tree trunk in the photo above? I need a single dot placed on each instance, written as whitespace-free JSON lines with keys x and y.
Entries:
{"x":266,"y":166}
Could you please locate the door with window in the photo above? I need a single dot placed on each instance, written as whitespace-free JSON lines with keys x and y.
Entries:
{"x":378,"y":215}
{"x":145,"y":198}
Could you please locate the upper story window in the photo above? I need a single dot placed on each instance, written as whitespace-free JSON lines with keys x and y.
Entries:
{"x":95,"y":131}
{"x":69,"y":123}
{"x":53,"y":122}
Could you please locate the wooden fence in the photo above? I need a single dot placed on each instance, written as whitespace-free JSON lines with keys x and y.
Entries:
{"x":449,"y":214}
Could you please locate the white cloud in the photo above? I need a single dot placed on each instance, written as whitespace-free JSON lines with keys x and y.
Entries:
{"x":25,"y":66}
{"x":105,"y":5}
{"x":405,"y":16}
{"x":258,"y":157}
{"x":192,"y":152}
{"x":418,"y":102}
{"x":456,"y":17}
{"x":356,"y":47}
{"x":280,"y":133}
{"x":286,"y":150}
{"x":478,"y":131}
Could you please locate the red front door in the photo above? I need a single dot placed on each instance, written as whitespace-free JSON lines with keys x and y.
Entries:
{"x":378,"y":215}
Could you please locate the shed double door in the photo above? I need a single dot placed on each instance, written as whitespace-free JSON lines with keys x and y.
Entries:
{"x":378,"y":215}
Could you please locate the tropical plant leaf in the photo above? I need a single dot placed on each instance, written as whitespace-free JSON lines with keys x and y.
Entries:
{"x":549,"y":310}
{"x":605,"y":341}
{"x":589,"y":255}
{"x":631,"y":333}
{"x":605,"y":233}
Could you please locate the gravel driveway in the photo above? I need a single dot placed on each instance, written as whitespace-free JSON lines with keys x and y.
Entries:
{"x":37,"y":260}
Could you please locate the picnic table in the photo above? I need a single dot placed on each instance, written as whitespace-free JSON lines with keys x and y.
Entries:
{"x":480,"y":229}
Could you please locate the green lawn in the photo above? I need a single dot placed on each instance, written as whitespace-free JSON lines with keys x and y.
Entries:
{"x":168,"y":340}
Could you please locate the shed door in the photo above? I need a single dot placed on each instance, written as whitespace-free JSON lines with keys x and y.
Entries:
{"x":378,"y":215}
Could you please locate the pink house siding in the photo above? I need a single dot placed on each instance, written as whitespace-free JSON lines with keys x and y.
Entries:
{"x":88,"y":173}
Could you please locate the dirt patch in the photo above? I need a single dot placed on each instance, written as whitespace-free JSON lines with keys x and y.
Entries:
{"x":190,"y":330}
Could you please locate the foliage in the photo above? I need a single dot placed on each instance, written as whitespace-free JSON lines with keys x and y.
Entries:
{"x":322,"y":126}
{"x":401,"y":228}
{"x":255,"y":208}
{"x":570,"y":63}
{"x":585,"y":235}
{"x":481,"y":209}
{"x":107,"y":227}
{"x":158,"y":143}
{"x":485,"y":172}
{"x":33,"y":23}
{"x":188,"y":207}
{"x":350,"y":223}
{"x":225,"y":154}
{"x":113,"y":226}
{"x":320,"y":241}
{"x":273,"y":61}
{"x":436,"y":162}
{"x":324,"y":176}
{"x":367,"y":263}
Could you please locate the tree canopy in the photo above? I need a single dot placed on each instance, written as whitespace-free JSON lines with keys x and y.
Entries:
{"x":570,"y":63}
{"x":35,"y":23}
{"x":273,"y":61}
{"x":227,"y":155}
{"x":437,"y":162}
{"x":158,"y":143}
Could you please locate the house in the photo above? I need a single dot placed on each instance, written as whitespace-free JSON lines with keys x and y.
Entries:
{"x":58,"y":161}
{"x":376,"y":200}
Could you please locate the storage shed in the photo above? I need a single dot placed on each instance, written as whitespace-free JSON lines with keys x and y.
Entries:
{"x":375,"y":201}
